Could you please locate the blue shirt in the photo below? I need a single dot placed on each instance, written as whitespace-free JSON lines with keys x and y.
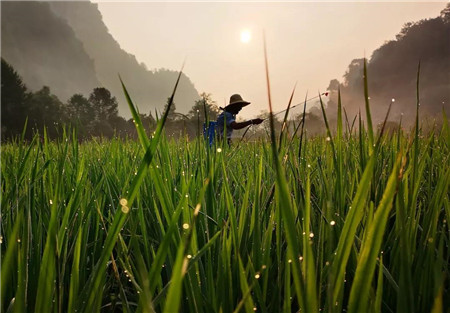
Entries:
{"x":225,"y":118}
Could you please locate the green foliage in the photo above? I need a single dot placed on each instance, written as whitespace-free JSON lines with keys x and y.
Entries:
{"x":356,"y":220}
{"x":204,"y":109}
{"x":233,"y":253}
{"x":104,"y":105}
{"x":14,"y":97}
{"x":46,"y":110}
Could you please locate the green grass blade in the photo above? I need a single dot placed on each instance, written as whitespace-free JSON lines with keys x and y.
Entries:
{"x":8,"y":259}
{"x":359,"y":294}
{"x":368,"y":115}
{"x":248,"y":301}
{"x":145,"y":142}
{"x":173,"y":298}
{"x":74,"y":279}
{"x":347,"y":237}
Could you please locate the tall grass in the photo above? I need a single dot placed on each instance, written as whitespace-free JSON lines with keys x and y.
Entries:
{"x":354,"y":220}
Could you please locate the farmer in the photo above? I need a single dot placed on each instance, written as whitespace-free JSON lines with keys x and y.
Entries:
{"x":227,"y":119}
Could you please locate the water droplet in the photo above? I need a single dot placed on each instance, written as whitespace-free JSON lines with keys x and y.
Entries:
{"x":257,"y":276}
{"x":311,"y":235}
{"x":332,"y":223}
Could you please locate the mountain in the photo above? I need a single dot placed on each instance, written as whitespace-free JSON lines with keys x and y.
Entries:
{"x":392,"y":74}
{"x":66,"y":46}
{"x":44,"y":49}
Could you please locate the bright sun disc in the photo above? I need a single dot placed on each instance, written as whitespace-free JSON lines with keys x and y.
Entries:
{"x":245,"y":36}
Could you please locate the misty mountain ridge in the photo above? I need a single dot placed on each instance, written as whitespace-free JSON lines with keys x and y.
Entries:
{"x":392,"y":75}
{"x":66,"y":46}
{"x":45,"y":50}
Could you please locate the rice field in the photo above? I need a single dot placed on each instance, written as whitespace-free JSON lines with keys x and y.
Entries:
{"x":355,"y":221}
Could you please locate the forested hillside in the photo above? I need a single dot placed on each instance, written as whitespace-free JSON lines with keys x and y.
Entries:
{"x":392,"y":74}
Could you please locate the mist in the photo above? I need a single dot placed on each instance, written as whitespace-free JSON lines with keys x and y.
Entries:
{"x":392,"y":74}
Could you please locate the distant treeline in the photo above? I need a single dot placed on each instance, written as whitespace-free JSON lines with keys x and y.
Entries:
{"x":24,"y":111}
{"x":92,"y":116}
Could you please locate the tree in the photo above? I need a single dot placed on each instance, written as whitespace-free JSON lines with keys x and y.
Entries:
{"x":46,"y":110}
{"x":14,"y":97}
{"x":404,"y":31}
{"x":205,"y":103}
{"x":175,"y":123}
{"x":81,"y":114}
{"x":445,"y":14}
{"x":353,"y":75}
{"x":172,"y":116}
{"x":149,"y":122}
{"x":105,"y":106}
{"x":80,"y":109}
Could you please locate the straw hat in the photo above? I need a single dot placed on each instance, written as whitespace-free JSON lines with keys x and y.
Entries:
{"x":236,"y":101}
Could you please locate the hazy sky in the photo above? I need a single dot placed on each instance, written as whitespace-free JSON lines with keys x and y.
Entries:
{"x":308,"y":43}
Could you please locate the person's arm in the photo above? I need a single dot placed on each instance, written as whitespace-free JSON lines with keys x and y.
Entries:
{"x":236,"y":125}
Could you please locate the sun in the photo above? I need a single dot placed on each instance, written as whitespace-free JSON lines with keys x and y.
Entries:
{"x":246,"y":36}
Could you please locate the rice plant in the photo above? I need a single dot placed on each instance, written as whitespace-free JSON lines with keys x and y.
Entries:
{"x":354,"y":220}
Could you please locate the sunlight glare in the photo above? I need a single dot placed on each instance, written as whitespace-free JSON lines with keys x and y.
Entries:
{"x":245,"y":36}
